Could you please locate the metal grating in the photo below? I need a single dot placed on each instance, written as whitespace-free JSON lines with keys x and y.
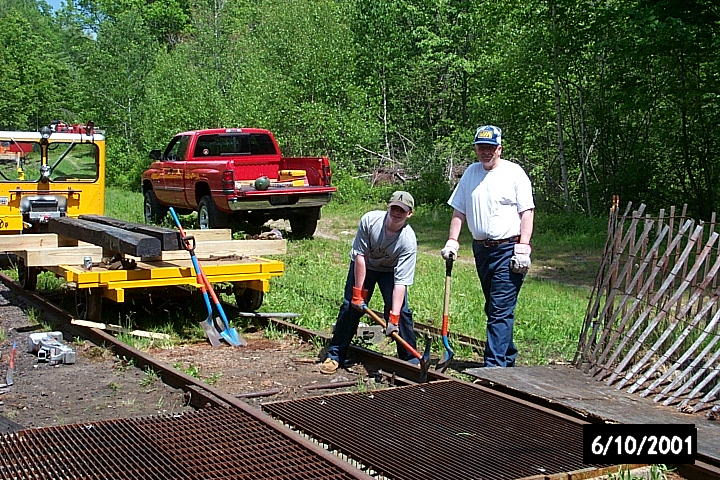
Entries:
{"x":206,"y":444}
{"x":447,"y":430}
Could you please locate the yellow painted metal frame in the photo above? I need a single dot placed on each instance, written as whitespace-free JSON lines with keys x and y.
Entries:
{"x":254,"y":271}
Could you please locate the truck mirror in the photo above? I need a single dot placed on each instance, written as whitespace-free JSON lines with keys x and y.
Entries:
{"x":155,"y":154}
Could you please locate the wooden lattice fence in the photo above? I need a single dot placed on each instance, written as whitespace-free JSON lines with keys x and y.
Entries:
{"x":652,"y":321}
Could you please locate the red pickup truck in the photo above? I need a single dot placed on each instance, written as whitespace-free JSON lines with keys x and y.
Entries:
{"x":236,"y":173}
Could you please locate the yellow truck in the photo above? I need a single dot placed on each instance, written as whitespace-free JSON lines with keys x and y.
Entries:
{"x":58,"y":171}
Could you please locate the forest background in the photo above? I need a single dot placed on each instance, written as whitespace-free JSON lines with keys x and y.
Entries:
{"x":595,"y":98}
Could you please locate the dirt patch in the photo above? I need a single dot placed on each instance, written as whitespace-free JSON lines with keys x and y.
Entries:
{"x":101,"y":386}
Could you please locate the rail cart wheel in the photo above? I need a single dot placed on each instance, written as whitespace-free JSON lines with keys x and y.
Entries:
{"x":209,"y":216}
{"x":154,"y":211}
{"x":27,"y":276}
{"x":88,"y":304}
{"x":303,"y":224}
{"x":247,"y":299}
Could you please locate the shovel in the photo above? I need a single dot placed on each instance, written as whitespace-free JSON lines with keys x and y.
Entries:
{"x":230,"y":335}
{"x":208,"y":325}
{"x":449,"y":354}
{"x":424,"y":358}
{"x":11,"y":367}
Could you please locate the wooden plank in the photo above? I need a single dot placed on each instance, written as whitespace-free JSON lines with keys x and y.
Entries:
{"x":11,"y":243}
{"x":210,"y":234}
{"x":220,"y":249}
{"x":169,"y":238}
{"x":110,"y":238}
{"x":119,"y":329}
{"x":52,"y":257}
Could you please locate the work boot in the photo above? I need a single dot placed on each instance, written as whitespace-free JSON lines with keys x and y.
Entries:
{"x":329,"y":366}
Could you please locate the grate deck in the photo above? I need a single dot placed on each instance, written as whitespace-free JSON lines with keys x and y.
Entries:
{"x":447,"y":430}
{"x":206,"y":444}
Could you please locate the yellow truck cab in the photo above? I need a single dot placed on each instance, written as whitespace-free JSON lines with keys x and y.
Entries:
{"x":59,"y":171}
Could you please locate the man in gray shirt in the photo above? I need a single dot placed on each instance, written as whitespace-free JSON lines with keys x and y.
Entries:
{"x":383,"y":253}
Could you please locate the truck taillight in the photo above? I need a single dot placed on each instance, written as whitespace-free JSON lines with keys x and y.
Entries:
{"x":228,"y":182}
{"x":327,"y":174}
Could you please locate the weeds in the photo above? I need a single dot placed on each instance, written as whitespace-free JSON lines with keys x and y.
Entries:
{"x":151,"y":376}
{"x":192,"y":370}
{"x":273,"y":333}
{"x":213,"y":378}
{"x":97,"y":353}
{"x":123,"y":364}
{"x":656,"y":472}
{"x":361,"y":386}
{"x":33,"y":315}
{"x":114,"y":386}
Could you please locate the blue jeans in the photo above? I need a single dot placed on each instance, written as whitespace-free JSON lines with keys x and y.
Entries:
{"x":349,"y":318}
{"x":501,"y":288}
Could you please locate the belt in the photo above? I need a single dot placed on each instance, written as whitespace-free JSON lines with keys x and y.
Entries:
{"x":494,"y":243}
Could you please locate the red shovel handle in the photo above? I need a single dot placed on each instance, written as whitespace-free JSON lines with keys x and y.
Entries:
{"x":395,"y":335}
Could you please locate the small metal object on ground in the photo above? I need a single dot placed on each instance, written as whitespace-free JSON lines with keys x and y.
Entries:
{"x":263,"y":393}
{"x":370,"y":333}
{"x":324,"y":386}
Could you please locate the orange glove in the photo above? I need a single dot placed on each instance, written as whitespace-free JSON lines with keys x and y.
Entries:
{"x":359,"y":298}
{"x":392,"y":325}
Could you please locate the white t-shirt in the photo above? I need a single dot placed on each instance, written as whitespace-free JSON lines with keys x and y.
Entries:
{"x":397,"y":254}
{"x":492,"y":200}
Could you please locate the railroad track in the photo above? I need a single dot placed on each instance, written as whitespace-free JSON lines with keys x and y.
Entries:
{"x":330,"y":458}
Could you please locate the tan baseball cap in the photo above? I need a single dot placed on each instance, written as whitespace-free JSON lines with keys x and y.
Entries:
{"x":403,"y":200}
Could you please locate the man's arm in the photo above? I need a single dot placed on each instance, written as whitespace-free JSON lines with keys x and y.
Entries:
{"x":456,"y":225}
{"x":398,"y":297}
{"x":360,"y":270}
{"x":527,"y":219}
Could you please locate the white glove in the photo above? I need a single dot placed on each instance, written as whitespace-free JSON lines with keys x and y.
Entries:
{"x":520,"y":261}
{"x":450,"y":249}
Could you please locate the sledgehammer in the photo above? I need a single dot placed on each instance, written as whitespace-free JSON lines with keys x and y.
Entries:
{"x":424,"y":358}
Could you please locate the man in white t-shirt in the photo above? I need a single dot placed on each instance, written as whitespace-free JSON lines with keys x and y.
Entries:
{"x":383,"y":253}
{"x":495,"y":197}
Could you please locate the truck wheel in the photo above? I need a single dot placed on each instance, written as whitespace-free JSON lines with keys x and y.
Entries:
{"x":209,"y":216}
{"x":303,"y":224}
{"x":154,"y":211}
{"x":247,"y":299}
{"x":27,"y":276}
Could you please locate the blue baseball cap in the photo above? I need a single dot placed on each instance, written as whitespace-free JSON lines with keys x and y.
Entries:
{"x":488,"y":135}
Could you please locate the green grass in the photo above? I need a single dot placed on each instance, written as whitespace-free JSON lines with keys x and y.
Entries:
{"x":549,"y":314}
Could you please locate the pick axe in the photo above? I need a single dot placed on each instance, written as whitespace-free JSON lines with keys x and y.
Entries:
{"x":424,"y":358}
